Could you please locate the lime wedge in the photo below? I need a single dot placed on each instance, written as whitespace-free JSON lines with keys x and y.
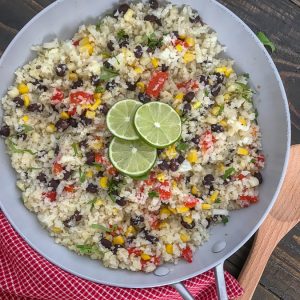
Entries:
{"x":133,"y":158}
{"x":119,"y":119}
{"x":158,"y":124}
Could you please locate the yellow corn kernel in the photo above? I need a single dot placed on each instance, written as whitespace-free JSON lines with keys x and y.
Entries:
{"x":51,"y":128}
{"x":228,"y":72}
{"x":23,"y":88}
{"x":197,"y":105}
{"x":226,"y":97}
{"x":73,"y":76}
{"x":97,"y":96}
{"x":163,"y":225}
{"x":88,"y":48}
{"x":172,"y":210}
{"x":161,"y":177}
{"x":189,"y":57}
{"x":182,"y":36}
{"x":179,"y":48}
{"x":179,"y":96}
{"x":214,"y":196}
{"x":206,"y":206}
{"x":118,"y":240}
{"x":130,"y":231}
{"x":95,"y":105}
{"x":195,"y":190}
{"x":221,"y":70}
{"x":223,"y":123}
{"x":89,"y":174}
{"x":174,"y":184}
{"x":169,"y":248}
{"x":56,"y":229}
{"x":155,"y":62}
{"x":190,"y":41}
{"x":164,"y":212}
{"x":141,"y":86}
{"x":145,"y":256}
{"x":25,"y":119}
{"x":99,"y":202}
{"x":221,"y":167}
{"x":192,"y":156}
{"x":103,"y":182}
{"x":64,"y":115}
{"x":242,"y":121}
{"x":84,"y":41}
{"x":181,"y":209}
{"x":188,"y":220}
{"x":90,"y":114}
{"x":215,"y":110}
{"x":242,"y":151}
{"x":128,"y":15}
{"x":138,"y":70}
{"x":26,"y":99}
{"x":97,"y":145}
{"x":184,"y":237}
{"x":171,"y":152}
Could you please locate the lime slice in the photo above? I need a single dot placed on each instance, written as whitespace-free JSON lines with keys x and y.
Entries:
{"x":158,"y":124}
{"x":119,"y":119}
{"x":133,"y":158}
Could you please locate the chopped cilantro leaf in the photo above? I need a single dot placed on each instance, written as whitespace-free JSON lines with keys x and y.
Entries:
{"x":108,"y":74}
{"x":265,"y":41}
{"x":153,"y":194}
{"x":225,"y":220}
{"x":100,"y":227}
{"x":228,"y":172}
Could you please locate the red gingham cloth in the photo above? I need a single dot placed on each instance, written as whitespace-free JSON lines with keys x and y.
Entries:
{"x":26,"y":275}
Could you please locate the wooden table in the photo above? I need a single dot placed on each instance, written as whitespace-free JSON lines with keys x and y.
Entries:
{"x":280,"y":20}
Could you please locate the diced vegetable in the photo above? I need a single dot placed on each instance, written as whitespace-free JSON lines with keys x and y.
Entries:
{"x":156,"y":83}
{"x":81,"y":97}
{"x":266,"y":41}
{"x":58,"y":95}
{"x":57,"y":168}
{"x":13,"y":148}
{"x":51,"y":196}
{"x":187,"y":254}
{"x":107,"y":74}
{"x":228,"y":172}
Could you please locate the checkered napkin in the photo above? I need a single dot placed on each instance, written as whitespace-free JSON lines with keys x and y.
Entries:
{"x":26,"y":275}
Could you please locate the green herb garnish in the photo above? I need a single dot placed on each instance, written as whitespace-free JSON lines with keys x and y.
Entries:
{"x":26,"y":128}
{"x":75,"y":149}
{"x":81,"y":176}
{"x":256,"y":113}
{"x":99,"y":89}
{"x":228,"y":172}
{"x":98,"y":26}
{"x":153,"y":42}
{"x":206,"y":93}
{"x":153,"y":194}
{"x":253,"y":160}
{"x":218,"y":200}
{"x":221,"y":109}
{"x":92,"y":202}
{"x":244,"y":91}
{"x":142,"y":177}
{"x":108,"y":74}
{"x":113,"y":189}
{"x":246,"y":75}
{"x":100,"y":227}
{"x":181,"y":146}
{"x":265,"y":41}
{"x":106,"y":54}
{"x":87,"y":249}
{"x":121,"y":34}
{"x":98,"y":165}
{"x":225,"y":220}
{"x":13,"y":148}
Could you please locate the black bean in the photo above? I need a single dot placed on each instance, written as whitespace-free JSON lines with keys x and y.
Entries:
{"x":42,"y":87}
{"x":137,"y":220}
{"x":138,"y":51}
{"x":54,"y":108}
{"x":153,"y":19}
{"x":153,"y":4}
{"x":36,"y":81}
{"x":220,"y":77}
{"x":56,"y":150}
{"x":38,"y":107}
{"x":121,"y":201}
{"x":187,"y":107}
{"x":83,"y":143}
{"x":164,"y":68}
{"x":196,"y":19}
{"x":189,"y":96}
{"x":208,"y":180}
{"x":122,"y":9}
{"x":22,"y":136}
{"x":61,"y":70}
{"x":196,"y":139}
{"x":72,"y":220}
{"x":19,"y":102}
{"x":180,"y":159}
{"x":53,"y":183}
{"x":160,"y":151}
{"x":209,"y":220}
{"x":92,"y":188}
{"x":174,"y":165}
{"x":131,"y":86}
{"x":106,"y":243}
{"x":104,"y":109}
{"x":203,"y":79}
{"x":176,"y":34}
{"x":62,"y":125}
{"x":217,"y":128}
{"x":150,"y":50}
{"x":130,"y":240}
{"x":95,"y":80}
{"x":110,"y":46}
{"x":84,"y":120}
{"x":215,"y":90}
{"x":90,"y":157}
{"x":77,"y":84}
{"x":164,"y":165}
{"x":4,"y":131}
{"x":124,"y":44}
{"x":107,"y":65}
{"x":115,"y":248}
{"x":67,"y":174}
{"x":110,"y":85}
{"x":151,"y":238}
{"x":73,"y":122}
{"x":42,"y":177}
{"x":188,"y":225}
{"x":259,"y":177}
{"x":144,"y":98}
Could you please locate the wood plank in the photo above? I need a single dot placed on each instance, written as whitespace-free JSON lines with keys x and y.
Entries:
{"x":262,"y":293}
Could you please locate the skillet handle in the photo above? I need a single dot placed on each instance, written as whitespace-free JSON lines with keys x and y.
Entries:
{"x":220,"y":282}
{"x":183,"y":291}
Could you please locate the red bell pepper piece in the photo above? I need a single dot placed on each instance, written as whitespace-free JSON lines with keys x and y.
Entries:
{"x":252,"y":199}
{"x":156,"y":83}
{"x":180,"y":42}
{"x":187,"y":254}
{"x":69,"y":188}
{"x":207,"y":141}
{"x":76,"y":43}
{"x":58,"y":95}
{"x":164,"y":190}
{"x":51,"y":196}
{"x":191,"y":84}
{"x":191,"y":202}
{"x":81,"y":97}
{"x":135,"y":251}
{"x":57,"y":168}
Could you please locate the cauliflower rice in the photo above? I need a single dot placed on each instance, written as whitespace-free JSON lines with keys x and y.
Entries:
{"x":55,"y":131}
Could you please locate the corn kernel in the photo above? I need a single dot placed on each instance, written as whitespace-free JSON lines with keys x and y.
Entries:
{"x":161,"y":177}
{"x":221,"y":70}
{"x":56,"y":229}
{"x":184,"y":237}
{"x":118,"y":240}
{"x":128,"y":15}
{"x":242,"y":121}
{"x":163,"y":225}
{"x":169,"y":248}
{"x":197,"y":105}
{"x":195,"y":190}
{"x":155,"y":62}
{"x":182,"y":36}
{"x":97,"y":145}
{"x":215,"y":110}
{"x":26,"y":99}
{"x":138,"y":70}
{"x":99,"y":202}
{"x":90,"y":114}
{"x":171,"y":152}
{"x":242,"y":151}
{"x":103,"y":182}
{"x":172,"y":210}
{"x":130,"y":231}
{"x":189,"y":57}
{"x":64,"y":115}
{"x":164,"y":212}
{"x":174,"y":184}
{"x":95,"y":105}
{"x":97,"y":96}
{"x":73,"y":76}
{"x":145,"y":256}
{"x":84,"y":41}
{"x":188,"y":220}
{"x":25,"y":119}
{"x":179,"y":48}
{"x":228,"y":72}
{"x":89,"y":174}
{"x":192,"y":156}
{"x":223,"y":123}
{"x":87,"y":48}
{"x":51,"y":128}
{"x":181,"y":209}
{"x":221,"y":167}
{"x":226,"y":97}
{"x":141,"y":86}
{"x":179,"y":96}
{"x":190,"y":41}
{"x":206,"y":206}
{"x":23,"y":88}
{"x":214,"y":196}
